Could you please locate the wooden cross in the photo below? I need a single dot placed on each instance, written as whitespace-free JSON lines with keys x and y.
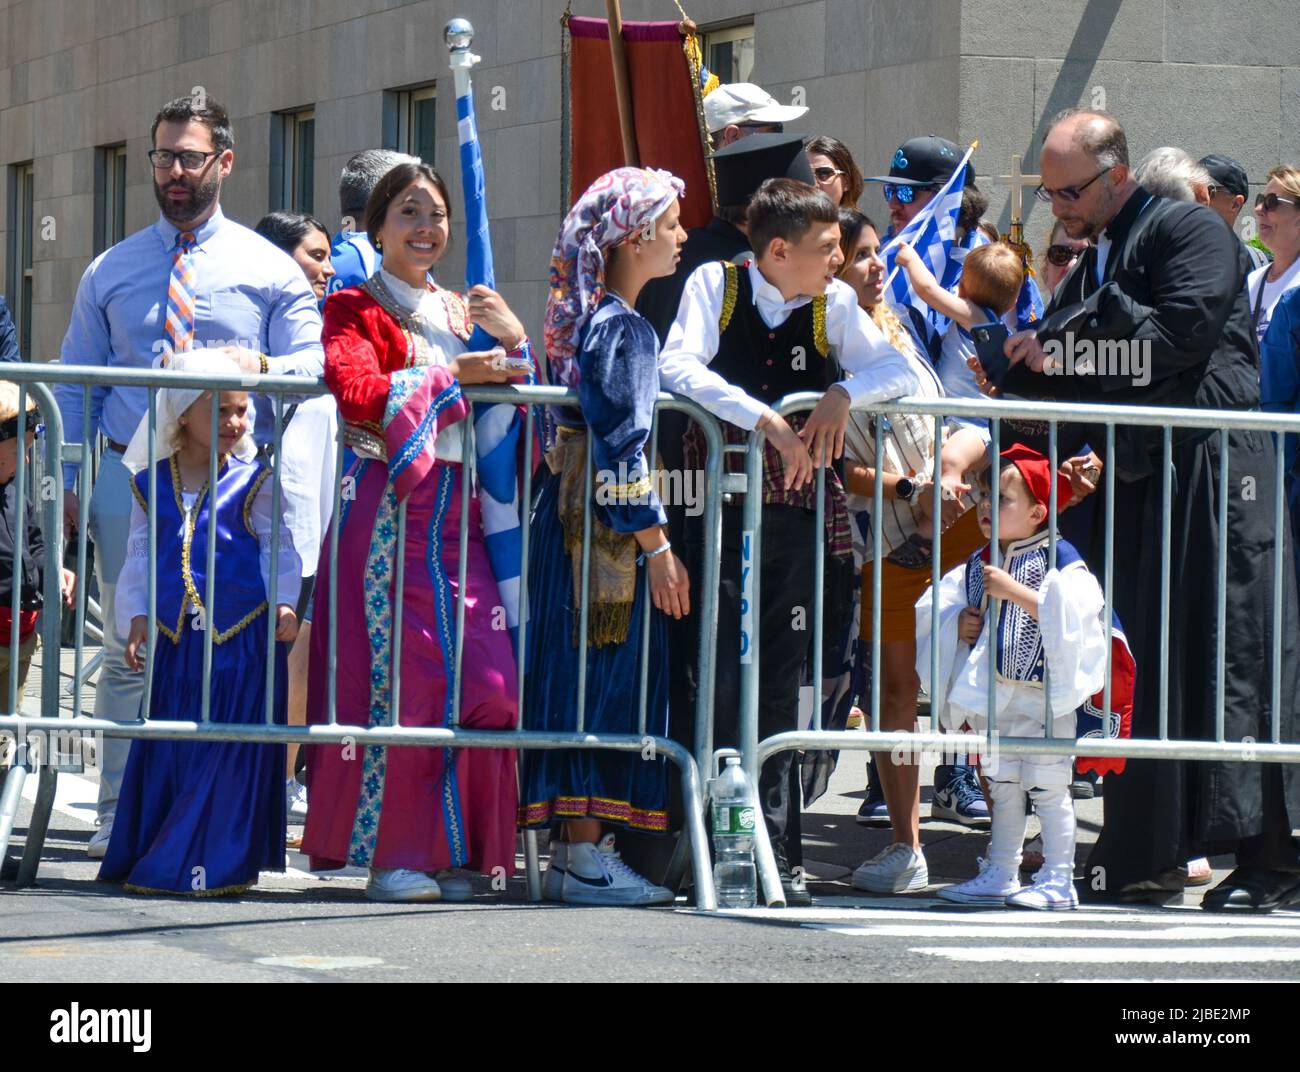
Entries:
{"x":1018,"y":180}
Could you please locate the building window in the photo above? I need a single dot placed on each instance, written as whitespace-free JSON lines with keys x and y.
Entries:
{"x":729,"y":53}
{"x":22,"y":228}
{"x":410,"y":116}
{"x":293,"y":160}
{"x":110,"y":196}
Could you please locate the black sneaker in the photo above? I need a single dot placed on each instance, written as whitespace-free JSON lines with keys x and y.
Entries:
{"x":794,"y":888}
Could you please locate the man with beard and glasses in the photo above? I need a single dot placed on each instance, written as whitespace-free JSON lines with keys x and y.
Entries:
{"x":191,"y":279}
{"x":1164,"y":284}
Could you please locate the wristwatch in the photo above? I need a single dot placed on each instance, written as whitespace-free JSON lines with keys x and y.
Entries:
{"x":908,"y":490}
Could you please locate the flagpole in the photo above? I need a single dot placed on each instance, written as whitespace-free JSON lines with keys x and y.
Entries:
{"x":622,"y":84}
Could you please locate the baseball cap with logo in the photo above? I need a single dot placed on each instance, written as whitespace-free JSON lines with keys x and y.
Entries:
{"x":925,"y":161}
{"x":744,"y":102}
{"x":1226,"y":172}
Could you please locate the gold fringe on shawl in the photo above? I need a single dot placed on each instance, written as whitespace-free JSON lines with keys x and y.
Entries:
{"x":613,"y":554}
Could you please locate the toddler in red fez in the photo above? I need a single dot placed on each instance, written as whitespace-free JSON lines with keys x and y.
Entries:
{"x":1044,"y":622}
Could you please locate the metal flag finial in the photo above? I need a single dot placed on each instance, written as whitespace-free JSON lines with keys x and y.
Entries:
{"x":459,"y":35}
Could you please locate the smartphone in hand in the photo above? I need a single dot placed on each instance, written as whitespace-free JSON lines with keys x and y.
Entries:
{"x":990,"y":339}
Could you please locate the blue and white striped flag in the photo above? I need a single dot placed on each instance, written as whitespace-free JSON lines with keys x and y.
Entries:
{"x":931,"y":233}
{"x":498,"y":426}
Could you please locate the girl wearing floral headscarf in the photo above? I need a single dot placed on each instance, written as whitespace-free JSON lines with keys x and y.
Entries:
{"x":623,"y":232}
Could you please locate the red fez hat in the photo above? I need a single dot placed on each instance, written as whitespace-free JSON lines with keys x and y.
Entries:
{"x":1037,"y":471}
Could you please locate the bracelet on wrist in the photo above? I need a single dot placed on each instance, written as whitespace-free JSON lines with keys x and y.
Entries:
{"x":264,"y":363}
{"x":646,"y":555}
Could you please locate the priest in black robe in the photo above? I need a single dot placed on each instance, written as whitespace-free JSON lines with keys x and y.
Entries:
{"x":1166,"y":278}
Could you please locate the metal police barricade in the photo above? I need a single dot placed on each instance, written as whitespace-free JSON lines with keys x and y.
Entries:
{"x":755,"y":752}
{"x":36,"y":380}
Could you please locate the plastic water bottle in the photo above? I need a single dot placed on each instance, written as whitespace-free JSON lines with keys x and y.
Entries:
{"x":733,"y":837}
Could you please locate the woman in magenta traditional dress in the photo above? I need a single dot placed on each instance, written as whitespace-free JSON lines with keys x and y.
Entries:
{"x":395,"y":360}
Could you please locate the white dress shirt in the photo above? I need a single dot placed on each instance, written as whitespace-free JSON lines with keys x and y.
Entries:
{"x":875,"y":370}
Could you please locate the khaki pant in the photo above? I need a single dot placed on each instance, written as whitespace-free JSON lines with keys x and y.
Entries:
{"x":26,"y":649}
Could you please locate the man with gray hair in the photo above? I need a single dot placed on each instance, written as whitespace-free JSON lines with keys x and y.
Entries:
{"x":355,"y":260}
{"x":1172,"y":173}
{"x":1164,"y":284}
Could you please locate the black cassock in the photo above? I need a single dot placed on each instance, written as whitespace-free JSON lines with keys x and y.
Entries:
{"x":1174,"y":279}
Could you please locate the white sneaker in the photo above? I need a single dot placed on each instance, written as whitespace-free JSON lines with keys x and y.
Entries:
{"x":553,"y":880}
{"x":98,"y":845}
{"x":897,"y":869}
{"x":1052,"y":891}
{"x":295,"y":795}
{"x":597,"y":875}
{"x":455,"y":885}
{"x":992,"y":886}
{"x":399,"y":884}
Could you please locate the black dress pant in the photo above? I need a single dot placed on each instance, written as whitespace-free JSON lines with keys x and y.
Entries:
{"x":784,"y":626}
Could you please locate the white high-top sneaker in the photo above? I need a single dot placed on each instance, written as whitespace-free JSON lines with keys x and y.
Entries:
{"x":553,"y":880}
{"x":400,"y":884}
{"x":596,"y":875}
{"x":991,"y":887}
{"x":1052,"y":891}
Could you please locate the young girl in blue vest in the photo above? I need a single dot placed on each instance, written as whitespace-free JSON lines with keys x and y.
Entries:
{"x":203,"y":818}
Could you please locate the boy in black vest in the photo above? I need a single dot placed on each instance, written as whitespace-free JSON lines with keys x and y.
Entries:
{"x":746,"y":336}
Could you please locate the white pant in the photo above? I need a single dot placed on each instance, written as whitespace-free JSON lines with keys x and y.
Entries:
{"x":119,"y":690}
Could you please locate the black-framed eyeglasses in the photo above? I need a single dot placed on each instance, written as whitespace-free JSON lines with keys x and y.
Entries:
{"x":1062,"y":255}
{"x":904,"y":194}
{"x":825,"y":174}
{"x":191,"y":159}
{"x":1269,"y":202}
{"x":1067,"y":193}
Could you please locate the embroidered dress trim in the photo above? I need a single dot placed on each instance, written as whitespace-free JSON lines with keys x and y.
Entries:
{"x":420,"y":437}
{"x":379,"y":619}
{"x":1020,"y":656}
{"x":258,"y":481}
{"x":635,"y":489}
{"x":819,"y":325}
{"x":618,"y":811}
{"x":446,"y":642}
{"x":187,"y":575}
{"x":365,"y":443}
{"x":732,"y":286}
{"x":220,"y":891}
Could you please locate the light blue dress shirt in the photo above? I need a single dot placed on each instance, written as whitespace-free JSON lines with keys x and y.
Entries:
{"x":247,"y":293}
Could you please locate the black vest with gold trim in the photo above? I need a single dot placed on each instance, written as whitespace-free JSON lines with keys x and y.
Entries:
{"x":769,"y":363}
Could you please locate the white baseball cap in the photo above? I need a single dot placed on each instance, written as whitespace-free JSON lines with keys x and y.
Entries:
{"x":744,"y":102}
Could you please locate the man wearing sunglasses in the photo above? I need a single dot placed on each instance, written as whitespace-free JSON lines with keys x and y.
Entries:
{"x":917,"y":171}
{"x":1229,"y":192}
{"x":192,"y":278}
{"x":1163,"y":287}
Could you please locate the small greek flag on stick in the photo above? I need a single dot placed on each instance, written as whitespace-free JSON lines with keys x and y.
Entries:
{"x":931,"y":233}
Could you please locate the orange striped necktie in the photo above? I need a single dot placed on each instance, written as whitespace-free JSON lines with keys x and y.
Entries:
{"x":180,"y":296}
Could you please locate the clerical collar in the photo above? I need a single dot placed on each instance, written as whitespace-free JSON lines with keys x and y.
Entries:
{"x":1125,"y":217}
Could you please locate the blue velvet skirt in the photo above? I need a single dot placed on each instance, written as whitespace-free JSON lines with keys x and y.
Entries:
{"x":203,"y":818}
{"x":624,"y":788}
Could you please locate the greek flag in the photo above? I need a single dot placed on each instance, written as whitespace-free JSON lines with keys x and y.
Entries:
{"x":932,"y":233}
{"x":497,"y":426}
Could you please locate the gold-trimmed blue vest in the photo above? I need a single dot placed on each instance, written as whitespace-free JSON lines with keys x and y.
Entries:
{"x":183,"y":549}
